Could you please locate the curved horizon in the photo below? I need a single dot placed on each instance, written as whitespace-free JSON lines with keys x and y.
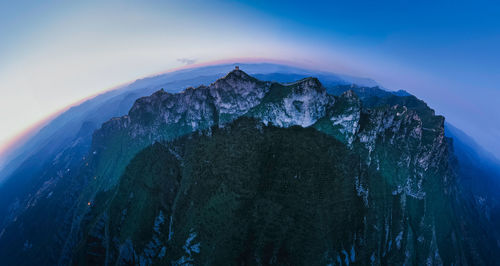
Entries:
{"x":55,"y":55}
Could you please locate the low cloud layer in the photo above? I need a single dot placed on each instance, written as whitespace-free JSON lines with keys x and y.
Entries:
{"x":186,"y":61}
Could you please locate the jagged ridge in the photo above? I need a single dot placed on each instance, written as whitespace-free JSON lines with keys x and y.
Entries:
{"x":410,"y":208}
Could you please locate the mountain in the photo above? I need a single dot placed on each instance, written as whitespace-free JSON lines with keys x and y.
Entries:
{"x":254,"y":172}
{"x":253,"y":191}
{"x":63,"y":142}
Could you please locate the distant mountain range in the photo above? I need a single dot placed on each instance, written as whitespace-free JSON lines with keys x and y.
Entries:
{"x":274,"y":165}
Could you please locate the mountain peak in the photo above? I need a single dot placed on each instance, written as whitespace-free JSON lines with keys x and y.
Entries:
{"x":349,"y":94}
{"x":305,"y":85}
{"x":236,"y":73}
{"x":239,"y":82}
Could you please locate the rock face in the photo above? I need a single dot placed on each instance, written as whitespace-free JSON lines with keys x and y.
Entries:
{"x":342,"y":119}
{"x":165,"y":116}
{"x":251,"y":172}
{"x":300,"y":103}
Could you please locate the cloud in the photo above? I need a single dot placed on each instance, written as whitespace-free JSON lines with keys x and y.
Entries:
{"x":186,"y":61}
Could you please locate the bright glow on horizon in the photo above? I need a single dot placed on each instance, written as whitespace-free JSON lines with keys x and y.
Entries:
{"x":55,"y":54}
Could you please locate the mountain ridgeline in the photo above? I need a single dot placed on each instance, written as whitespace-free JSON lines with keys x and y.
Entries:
{"x":251,"y":172}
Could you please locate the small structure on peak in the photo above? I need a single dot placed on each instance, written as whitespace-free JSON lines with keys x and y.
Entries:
{"x":236,"y":68}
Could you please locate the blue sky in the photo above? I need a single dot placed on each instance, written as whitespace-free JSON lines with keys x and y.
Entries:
{"x":445,"y":52}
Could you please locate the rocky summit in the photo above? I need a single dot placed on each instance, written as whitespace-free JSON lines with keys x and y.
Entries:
{"x":250,"y":172}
